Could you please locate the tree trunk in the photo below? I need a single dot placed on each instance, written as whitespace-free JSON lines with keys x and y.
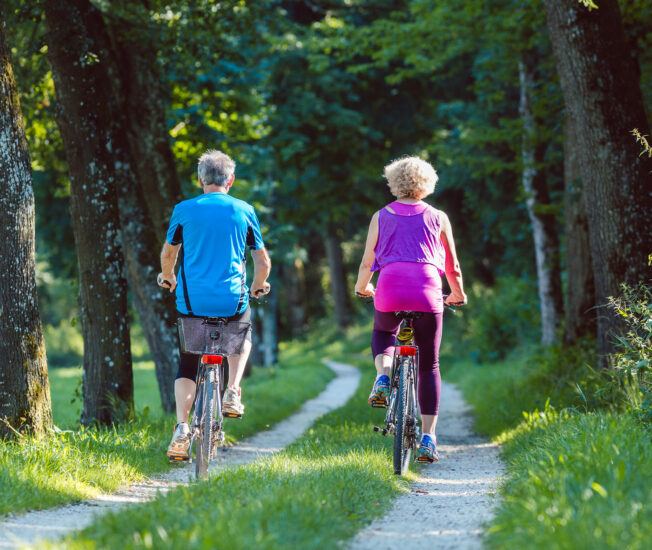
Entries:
{"x":313,"y":273}
{"x":148,"y":187}
{"x":146,"y":127}
{"x":256,"y":356}
{"x":269,"y":326}
{"x":96,"y":163}
{"x":580,"y":291}
{"x":602,"y":94}
{"x":544,"y":228}
{"x":341,"y":298}
{"x":24,"y":386}
{"x":146,"y":202}
{"x":294,"y":291}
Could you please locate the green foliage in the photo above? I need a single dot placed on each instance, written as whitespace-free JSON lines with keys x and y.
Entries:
{"x":576,"y":481}
{"x":632,"y":364}
{"x":499,"y":319}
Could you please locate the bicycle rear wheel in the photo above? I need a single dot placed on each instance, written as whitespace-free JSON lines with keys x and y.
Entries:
{"x":402,"y":446}
{"x":204,"y":442}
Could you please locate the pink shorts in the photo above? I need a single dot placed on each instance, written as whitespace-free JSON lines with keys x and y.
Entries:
{"x":409,"y":286}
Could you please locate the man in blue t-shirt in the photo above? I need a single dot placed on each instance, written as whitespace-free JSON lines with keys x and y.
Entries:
{"x":209,"y":235}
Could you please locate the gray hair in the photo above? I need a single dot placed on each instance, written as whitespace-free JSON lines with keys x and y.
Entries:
{"x":215,"y":168}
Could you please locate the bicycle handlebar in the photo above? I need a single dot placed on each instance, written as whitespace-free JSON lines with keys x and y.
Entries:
{"x":448,"y":306}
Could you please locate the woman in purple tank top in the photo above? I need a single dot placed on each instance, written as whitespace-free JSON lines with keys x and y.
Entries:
{"x":411,"y":244}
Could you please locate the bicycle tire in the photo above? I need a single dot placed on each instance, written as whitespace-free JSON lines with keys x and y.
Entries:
{"x":204,"y":442}
{"x":402,"y":450}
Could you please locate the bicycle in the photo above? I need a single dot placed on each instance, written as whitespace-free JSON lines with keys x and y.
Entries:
{"x":213,"y":338}
{"x":401,"y":418}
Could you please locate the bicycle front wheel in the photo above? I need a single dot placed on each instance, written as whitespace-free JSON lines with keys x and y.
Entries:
{"x":204,"y":443}
{"x":402,"y":447}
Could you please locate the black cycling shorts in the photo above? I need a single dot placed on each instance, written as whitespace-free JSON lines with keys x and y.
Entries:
{"x":189,"y":362}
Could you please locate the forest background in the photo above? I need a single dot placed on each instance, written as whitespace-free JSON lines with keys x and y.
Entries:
{"x":312,"y":99}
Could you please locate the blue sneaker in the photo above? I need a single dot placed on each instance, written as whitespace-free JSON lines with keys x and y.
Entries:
{"x":427,"y":451}
{"x":380,"y":392}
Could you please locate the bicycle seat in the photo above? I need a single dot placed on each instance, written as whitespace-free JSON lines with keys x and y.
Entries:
{"x":409,"y":315}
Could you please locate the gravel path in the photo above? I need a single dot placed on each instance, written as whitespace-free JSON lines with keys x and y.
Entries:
{"x":452,"y":499}
{"x":28,"y":528}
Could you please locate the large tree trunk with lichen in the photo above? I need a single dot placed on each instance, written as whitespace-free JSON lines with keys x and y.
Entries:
{"x":24,"y":386}
{"x":544,"y":225}
{"x":580,"y":290}
{"x":96,"y":165}
{"x":147,"y":185}
{"x":599,"y":79}
{"x":145,"y":207}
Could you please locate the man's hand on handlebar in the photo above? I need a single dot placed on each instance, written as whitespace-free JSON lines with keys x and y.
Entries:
{"x":367,"y":292}
{"x":167,"y":281}
{"x":261,"y":290}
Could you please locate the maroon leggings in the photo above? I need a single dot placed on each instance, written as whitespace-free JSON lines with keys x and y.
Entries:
{"x":427,"y":336}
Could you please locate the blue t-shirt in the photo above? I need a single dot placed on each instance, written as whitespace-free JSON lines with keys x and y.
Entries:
{"x":214,"y":230}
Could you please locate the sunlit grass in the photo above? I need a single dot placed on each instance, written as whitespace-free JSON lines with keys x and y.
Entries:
{"x":77,"y":464}
{"x":576,"y":479}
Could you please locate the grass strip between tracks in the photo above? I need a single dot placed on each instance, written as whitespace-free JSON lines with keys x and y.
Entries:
{"x":575,"y":479}
{"x":320,"y":490}
{"x":38,"y":473}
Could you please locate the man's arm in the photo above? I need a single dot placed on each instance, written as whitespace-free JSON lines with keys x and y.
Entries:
{"x":169,"y":254}
{"x":262,"y":267}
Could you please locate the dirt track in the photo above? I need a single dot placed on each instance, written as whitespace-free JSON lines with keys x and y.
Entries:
{"x":448,"y":505}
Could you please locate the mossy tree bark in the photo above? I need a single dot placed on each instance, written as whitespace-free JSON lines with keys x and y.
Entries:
{"x":24,"y":386}
{"x":599,"y":79}
{"x":145,"y":179}
{"x":97,"y":166}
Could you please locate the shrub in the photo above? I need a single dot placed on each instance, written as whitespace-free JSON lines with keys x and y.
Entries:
{"x":631,"y":366}
{"x":501,"y":318}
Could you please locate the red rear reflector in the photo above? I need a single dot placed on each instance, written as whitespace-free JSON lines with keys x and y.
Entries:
{"x":211,"y":359}
{"x":406,"y":350}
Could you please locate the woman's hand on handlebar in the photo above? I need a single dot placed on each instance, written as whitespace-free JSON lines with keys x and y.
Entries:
{"x":168,"y":281}
{"x":261,"y":290}
{"x":366,"y":292}
{"x":455,"y":299}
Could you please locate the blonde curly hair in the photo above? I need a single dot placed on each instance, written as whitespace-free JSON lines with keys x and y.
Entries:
{"x":410,"y":178}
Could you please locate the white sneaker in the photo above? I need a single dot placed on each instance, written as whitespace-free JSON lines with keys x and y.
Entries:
{"x":180,"y":441}
{"x":231,"y":403}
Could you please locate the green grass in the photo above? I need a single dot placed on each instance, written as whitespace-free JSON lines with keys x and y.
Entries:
{"x":320,"y":490}
{"x":576,"y":478}
{"x":65,"y":386}
{"x":77,"y":464}
{"x":577,"y":481}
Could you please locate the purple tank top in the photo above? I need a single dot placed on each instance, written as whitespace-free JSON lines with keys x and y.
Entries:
{"x":413,"y":234}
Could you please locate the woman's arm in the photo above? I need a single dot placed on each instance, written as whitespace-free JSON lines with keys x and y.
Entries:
{"x":363,"y":285}
{"x":453,"y":270}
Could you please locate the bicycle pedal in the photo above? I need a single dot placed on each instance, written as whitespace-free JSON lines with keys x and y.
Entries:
{"x":425,"y":459}
{"x":231,"y":415}
{"x":379,"y":403}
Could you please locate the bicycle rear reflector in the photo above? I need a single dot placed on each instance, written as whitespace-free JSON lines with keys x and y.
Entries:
{"x":406,"y":350}
{"x":213,"y":359}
